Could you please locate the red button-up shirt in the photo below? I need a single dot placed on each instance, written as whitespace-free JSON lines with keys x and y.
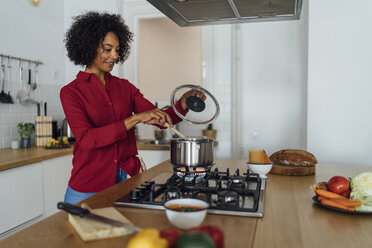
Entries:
{"x":96,"y":116}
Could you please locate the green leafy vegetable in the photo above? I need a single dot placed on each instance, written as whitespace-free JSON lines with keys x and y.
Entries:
{"x":361,"y":190}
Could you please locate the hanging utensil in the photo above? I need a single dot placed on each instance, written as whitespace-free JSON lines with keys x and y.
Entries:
{"x":20,"y":74}
{"x":10,"y":98}
{"x":29,"y":80}
{"x":34,"y":86}
{"x":3,"y":96}
{"x":22,"y":96}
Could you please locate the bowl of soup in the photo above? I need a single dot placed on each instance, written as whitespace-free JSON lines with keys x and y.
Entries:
{"x":186,"y":213}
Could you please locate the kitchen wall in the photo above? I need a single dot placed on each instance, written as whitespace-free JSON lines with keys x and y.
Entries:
{"x":272,"y":71}
{"x":168,"y":57}
{"x":339,"y":81}
{"x":218,"y":77}
{"x":33,"y":33}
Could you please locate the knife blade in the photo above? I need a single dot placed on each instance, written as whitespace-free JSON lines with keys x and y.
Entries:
{"x":85,"y":213}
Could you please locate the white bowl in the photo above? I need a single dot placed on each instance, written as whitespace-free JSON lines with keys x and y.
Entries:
{"x":261,"y":169}
{"x":185,"y":220}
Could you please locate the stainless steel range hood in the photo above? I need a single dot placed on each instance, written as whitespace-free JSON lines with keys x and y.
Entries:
{"x":206,"y":12}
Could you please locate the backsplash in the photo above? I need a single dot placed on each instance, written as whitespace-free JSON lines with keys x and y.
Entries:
{"x":12,"y":114}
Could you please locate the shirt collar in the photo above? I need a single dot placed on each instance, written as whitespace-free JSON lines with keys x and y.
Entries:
{"x":82,"y":75}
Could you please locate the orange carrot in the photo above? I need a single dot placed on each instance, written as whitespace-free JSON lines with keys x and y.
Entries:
{"x":348,"y":203}
{"x":334,"y":204}
{"x":320,"y":198}
{"x":328,"y":194}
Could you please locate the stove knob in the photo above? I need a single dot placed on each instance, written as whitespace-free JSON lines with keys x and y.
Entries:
{"x":142,"y":190}
{"x":135,"y":194}
{"x":148,"y":184}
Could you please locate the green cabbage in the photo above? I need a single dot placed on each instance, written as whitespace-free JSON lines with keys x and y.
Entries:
{"x":361,"y":190}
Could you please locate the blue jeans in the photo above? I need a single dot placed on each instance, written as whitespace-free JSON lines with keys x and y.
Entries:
{"x":73,"y":196}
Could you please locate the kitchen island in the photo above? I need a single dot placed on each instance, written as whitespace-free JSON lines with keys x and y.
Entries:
{"x":291,"y":219}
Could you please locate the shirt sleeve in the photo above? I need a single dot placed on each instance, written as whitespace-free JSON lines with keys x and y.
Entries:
{"x":141,"y":104}
{"x":88,"y":136}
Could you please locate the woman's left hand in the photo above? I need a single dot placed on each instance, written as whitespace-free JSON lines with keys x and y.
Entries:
{"x":191,"y":93}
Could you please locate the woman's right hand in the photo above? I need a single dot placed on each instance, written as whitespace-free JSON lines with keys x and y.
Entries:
{"x":154,"y":117}
{"x":151,"y":117}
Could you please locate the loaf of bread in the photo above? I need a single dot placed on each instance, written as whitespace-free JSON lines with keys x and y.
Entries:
{"x":293,"y":157}
{"x":258,"y":157}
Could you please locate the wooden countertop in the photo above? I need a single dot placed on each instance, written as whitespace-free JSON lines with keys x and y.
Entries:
{"x":10,"y":158}
{"x":143,"y":145}
{"x":291,"y":219}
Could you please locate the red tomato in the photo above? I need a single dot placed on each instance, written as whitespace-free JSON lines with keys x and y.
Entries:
{"x":346,"y":193}
{"x":171,"y":235}
{"x":338,"y":184}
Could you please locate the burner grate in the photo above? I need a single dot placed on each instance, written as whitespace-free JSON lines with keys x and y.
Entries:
{"x":228,"y":193}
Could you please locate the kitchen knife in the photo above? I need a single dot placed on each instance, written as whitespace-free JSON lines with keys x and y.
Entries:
{"x":38,"y":109}
{"x":45,"y":109}
{"x":85,"y":213}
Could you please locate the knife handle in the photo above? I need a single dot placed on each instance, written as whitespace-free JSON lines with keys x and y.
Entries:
{"x":45,"y":109}
{"x":38,"y":109}
{"x":72,"y":209}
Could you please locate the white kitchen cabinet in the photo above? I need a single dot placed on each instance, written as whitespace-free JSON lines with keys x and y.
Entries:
{"x":56,"y":173}
{"x":30,"y":193}
{"x":21,"y":195}
{"x":154,"y":157}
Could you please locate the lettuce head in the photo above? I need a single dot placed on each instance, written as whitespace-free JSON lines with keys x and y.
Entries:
{"x":361,"y":190}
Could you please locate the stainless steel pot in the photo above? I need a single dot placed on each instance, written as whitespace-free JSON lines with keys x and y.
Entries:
{"x":198,"y":152}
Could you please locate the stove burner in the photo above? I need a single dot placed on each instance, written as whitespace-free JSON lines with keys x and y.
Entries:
{"x":191,"y":172}
{"x":173,"y":193}
{"x":227,"y":198}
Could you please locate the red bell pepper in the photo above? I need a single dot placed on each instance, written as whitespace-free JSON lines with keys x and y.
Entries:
{"x":214,"y":232}
{"x":171,"y":235}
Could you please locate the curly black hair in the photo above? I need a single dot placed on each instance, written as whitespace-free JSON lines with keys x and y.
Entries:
{"x":88,"y":31}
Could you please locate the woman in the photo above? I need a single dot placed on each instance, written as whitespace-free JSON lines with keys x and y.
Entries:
{"x":102,"y":109}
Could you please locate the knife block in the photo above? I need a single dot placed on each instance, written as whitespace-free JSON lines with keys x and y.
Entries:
{"x":43,"y":130}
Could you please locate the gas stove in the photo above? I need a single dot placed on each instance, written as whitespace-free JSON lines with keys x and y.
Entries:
{"x":240,"y":194}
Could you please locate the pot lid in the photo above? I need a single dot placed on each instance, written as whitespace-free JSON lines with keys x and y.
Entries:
{"x":199,"y":111}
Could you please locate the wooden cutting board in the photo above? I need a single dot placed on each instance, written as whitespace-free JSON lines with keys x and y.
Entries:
{"x":92,"y":230}
{"x":292,"y":170}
